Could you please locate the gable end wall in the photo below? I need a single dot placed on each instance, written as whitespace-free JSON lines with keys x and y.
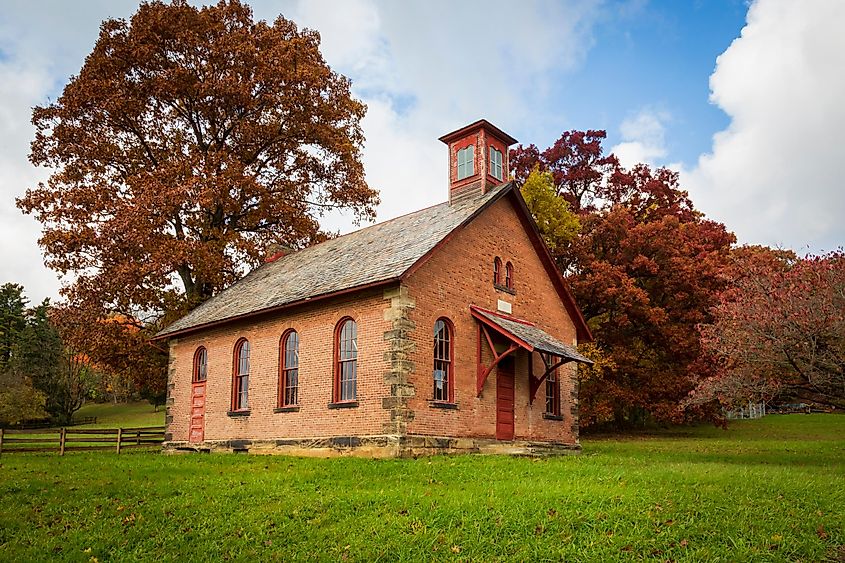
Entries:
{"x":459,"y":274}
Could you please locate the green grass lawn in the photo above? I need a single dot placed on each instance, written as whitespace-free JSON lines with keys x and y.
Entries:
{"x":767,"y":490}
{"x":110,"y":415}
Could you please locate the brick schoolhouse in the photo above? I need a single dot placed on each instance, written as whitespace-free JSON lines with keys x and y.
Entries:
{"x":445,"y":330}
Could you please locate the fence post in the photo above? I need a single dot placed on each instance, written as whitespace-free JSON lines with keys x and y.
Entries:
{"x":119,"y":438}
{"x":138,"y":438}
{"x":1,"y":439}
{"x":62,"y":440}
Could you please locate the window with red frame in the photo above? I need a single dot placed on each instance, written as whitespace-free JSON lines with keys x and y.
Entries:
{"x":553,"y":393}
{"x":497,"y":271}
{"x":443,"y":378}
{"x":289,"y":376}
{"x":346,"y":361}
{"x":240,"y":384}
{"x":200,"y":365}
{"x":509,"y":275}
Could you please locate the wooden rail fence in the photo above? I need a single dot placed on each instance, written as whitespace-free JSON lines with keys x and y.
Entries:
{"x":63,"y":440}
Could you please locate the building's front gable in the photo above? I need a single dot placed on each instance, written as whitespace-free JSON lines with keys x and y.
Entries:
{"x":458,"y":276}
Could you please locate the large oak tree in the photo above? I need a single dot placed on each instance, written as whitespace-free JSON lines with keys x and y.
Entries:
{"x":191,"y":140}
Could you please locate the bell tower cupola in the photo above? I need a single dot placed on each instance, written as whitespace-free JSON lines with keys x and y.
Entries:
{"x":478,"y":158}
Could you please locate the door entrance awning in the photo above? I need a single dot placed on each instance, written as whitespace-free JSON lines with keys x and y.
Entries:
{"x":520,"y":334}
{"x":525,"y":335}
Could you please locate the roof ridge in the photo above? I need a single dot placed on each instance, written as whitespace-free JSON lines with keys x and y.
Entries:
{"x":380,"y":253}
{"x":380,"y":223}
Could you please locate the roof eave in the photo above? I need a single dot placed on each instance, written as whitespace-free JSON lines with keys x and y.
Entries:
{"x":481,"y":123}
{"x":267,"y":310}
{"x":582,"y":330}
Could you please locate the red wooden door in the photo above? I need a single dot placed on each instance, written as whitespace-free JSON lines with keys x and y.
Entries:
{"x":504,"y":399}
{"x":197,"y":432}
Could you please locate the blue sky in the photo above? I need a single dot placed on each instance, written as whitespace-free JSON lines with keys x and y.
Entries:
{"x":655,"y":55}
{"x":744,"y":99}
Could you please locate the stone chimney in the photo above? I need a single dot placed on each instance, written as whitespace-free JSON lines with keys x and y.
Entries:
{"x":276,"y":251}
{"x":478,"y":158}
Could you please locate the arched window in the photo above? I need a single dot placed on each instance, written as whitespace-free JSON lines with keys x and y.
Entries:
{"x":497,"y":271}
{"x":240,"y":377}
{"x":553,"y":394}
{"x":346,"y":361}
{"x":443,"y":379}
{"x":509,"y":275}
{"x":200,"y":365}
{"x":289,"y":369}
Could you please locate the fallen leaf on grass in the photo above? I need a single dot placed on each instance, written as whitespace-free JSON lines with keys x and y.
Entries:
{"x":129,"y":520}
{"x":456,"y":549}
{"x":821,"y":533}
{"x":684,"y":543}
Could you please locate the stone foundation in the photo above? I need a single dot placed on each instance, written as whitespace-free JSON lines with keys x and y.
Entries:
{"x":385,"y":446}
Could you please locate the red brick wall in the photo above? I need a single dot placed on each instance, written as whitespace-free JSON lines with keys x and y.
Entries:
{"x":315,"y":325}
{"x":460,"y":275}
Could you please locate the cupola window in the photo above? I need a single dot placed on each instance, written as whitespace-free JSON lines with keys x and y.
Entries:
{"x":466,"y":162}
{"x":496,"y":169}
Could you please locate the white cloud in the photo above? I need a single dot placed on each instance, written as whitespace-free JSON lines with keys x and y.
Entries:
{"x":643,"y":138}
{"x":40,"y":47}
{"x":21,"y":259}
{"x":774,"y":175}
{"x":425,"y":69}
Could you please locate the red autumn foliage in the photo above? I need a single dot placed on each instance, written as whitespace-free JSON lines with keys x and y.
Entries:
{"x":778,"y":330}
{"x":645,"y":270}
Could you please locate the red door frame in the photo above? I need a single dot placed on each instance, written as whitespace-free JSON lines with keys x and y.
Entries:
{"x":196,"y":432}
{"x":505,"y":395}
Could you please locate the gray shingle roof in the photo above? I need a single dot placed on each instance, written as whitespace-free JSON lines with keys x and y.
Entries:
{"x":379,"y":253}
{"x":539,"y":339}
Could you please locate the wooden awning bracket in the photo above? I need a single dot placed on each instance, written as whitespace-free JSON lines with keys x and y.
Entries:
{"x":534,"y":383}
{"x":483,"y":372}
